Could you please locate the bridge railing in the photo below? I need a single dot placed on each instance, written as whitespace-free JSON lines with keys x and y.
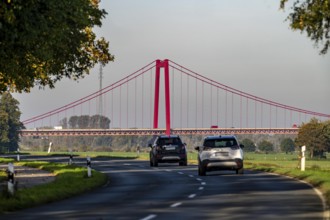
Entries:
{"x":158,"y":131}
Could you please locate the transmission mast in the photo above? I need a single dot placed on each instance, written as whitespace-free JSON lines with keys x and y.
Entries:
{"x":100,"y":91}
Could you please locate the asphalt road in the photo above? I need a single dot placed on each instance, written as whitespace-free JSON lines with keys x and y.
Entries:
{"x":137,"y":191}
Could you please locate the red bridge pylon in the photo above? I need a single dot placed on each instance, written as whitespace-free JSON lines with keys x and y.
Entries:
{"x":162,"y":64}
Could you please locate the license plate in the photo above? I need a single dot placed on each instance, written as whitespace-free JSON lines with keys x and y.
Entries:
{"x":218,"y":154}
{"x":170,"y":148}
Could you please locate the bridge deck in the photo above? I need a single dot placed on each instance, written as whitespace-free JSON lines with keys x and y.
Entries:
{"x":179,"y":131}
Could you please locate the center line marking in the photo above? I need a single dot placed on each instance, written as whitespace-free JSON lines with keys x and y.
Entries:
{"x":199,"y":179}
{"x":191,"y":176}
{"x":201,"y":188}
{"x":180,"y":173}
{"x":203,"y":183}
{"x":191,"y":196}
{"x":149,"y":217}
{"x":176,"y":204}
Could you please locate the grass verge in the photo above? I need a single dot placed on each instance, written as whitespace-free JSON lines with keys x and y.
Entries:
{"x":70,"y":180}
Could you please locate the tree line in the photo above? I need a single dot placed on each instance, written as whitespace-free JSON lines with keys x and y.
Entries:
{"x":85,"y":122}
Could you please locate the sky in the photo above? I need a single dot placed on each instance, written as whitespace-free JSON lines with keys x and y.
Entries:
{"x":247,"y":45}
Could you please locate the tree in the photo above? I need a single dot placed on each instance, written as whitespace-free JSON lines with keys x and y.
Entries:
{"x":312,"y":17}
{"x":249,"y":146}
{"x":99,"y":121}
{"x":326,"y":132}
{"x":86,"y":121}
{"x":42,"y":42}
{"x":64,"y":123}
{"x":311,"y":135}
{"x":73,"y":122}
{"x":4,"y":128}
{"x":287,"y":145}
{"x":83,"y":121}
{"x":10,"y":124}
{"x":266,"y":146}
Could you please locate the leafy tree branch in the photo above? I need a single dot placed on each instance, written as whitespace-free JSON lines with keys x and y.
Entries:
{"x":313,"y":18}
{"x":42,"y":42}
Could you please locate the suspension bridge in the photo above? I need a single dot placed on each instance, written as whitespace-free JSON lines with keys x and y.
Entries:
{"x":164,"y":97}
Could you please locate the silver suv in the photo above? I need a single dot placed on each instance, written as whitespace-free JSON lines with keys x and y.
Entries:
{"x":220,"y":153}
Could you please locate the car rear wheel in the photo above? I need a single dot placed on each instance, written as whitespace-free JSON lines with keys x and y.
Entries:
{"x":151,"y":160}
{"x":201,"y":170}
{"x":155,"y":162}
{"x":183,"y":163}
{"x":240,"y":171}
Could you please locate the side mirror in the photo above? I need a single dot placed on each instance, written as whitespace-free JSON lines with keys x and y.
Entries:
{"x":197,"y":148}
{"x":149,"y":145}
{"x":241,"y":146}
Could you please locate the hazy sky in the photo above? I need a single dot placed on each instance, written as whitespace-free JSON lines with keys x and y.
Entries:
{"x":243,"y":44}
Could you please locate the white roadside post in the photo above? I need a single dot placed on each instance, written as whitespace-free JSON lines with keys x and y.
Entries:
{"x":50,"y":147}
{"x":18,"y":158}
{"x":302,"y":159}
{"x":11,"y":180}
{"x":89,"y":169}
{"x":70,"y":159}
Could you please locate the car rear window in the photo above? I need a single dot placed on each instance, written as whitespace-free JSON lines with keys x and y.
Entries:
{"x":168,"y":141}
{"x":218,"y":143}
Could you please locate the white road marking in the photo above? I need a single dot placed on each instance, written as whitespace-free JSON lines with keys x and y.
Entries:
{"x":127,"y":164}
{"x":191,"y":196}
{"x":176,"y":204}
{"x":198,"y":179}
{"x":107,"y":184}
{"x":201,"y":188}
{"x":203,"y":183}
{"x":168,"y":170}
{"x":149,"y":217}
{"x":191,"y":176}
{"x":180,"y":173}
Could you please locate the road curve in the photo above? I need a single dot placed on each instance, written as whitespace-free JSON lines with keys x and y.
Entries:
{"x":137,"y":191}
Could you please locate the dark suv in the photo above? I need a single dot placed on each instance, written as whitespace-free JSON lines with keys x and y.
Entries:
{"x":168,"y":149}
